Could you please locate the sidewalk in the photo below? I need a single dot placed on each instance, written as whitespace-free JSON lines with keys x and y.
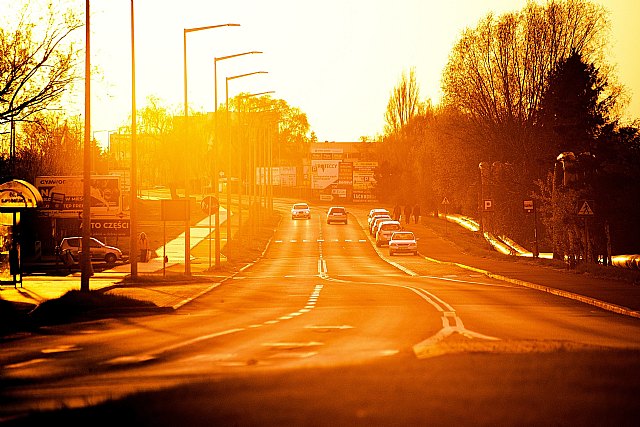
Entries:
{"x":38,"y":288}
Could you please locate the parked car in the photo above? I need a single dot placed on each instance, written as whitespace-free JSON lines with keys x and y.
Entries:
{"x":376,"y":211}
{"x":336,"y":214}
{"x":300,"y":210}
{"x":99,"y":251}
{"x":385,"y":230}
{"x":377,"y":220}
{"x":403,"y":242}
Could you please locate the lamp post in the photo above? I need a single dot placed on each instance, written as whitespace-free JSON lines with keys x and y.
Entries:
{"x":133,"y":209}
{"x":86,"y":185}
{"x":215,"y":157}
{"x":229,"y":157}
{"x":187,"y":231}
{"x":254,"y":194}
{"x":481,"y":166}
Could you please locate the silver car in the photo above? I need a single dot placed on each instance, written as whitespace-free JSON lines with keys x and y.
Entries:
{"x":374,"y":212}
{"x":385,"y":230}
{"x":300,"y":210}
{"x":99,"y":251}
{"x":403,"y":242}
{"x":377,"y":220}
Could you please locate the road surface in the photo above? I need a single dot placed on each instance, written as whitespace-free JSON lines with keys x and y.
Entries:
{"x":328,"y":329}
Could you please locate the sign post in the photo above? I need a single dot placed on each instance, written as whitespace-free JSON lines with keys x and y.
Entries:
{"x":208,"y":204}
{"x":585,"y":210}
{"x":487,"y":206}
{"x":446,"y":204}
{"x":530,"y":207}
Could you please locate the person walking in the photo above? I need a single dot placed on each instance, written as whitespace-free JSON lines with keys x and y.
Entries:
{"x":143,"y":246}
{"x":396,"y":212}
{"x":407,"y":214}
{"x":416,"y":213}
{"x":14,"y":263}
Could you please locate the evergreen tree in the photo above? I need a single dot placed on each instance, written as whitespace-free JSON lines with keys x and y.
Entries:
{"x":572,"y":115}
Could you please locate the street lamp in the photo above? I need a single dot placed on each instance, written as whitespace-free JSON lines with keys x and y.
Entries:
{"x":133,"y":209}
{"x":229,"y":156}
{"x":215,"y":157}
{"x":254,"y":154}
{"x":187,"y":231}
{"x":85,"y":260}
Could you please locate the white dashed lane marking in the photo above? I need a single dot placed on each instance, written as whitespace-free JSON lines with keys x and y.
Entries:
{"x":311,"y":303}
{"x":321,"y":241}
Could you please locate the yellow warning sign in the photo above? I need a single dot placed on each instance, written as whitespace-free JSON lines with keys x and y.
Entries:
{"x":585,"y":209}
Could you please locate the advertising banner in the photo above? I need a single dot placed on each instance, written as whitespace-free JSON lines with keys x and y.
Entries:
{"x":63,"y":196}
{"x":110,"y":227}
{"x":323,"y":173}
{"x":280,"y":176}
{"x":288,"y":176}
{"x":345,"y":174}
{"x":364,"y":182}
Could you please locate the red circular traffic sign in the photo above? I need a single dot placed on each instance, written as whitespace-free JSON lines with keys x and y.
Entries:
{"x":210,"y":204}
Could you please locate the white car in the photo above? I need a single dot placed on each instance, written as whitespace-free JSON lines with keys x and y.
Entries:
{"x":375,"y":221}
{"x":376,"y":211}
{"x":385,"y":230}
{"x":300,"y":210}
{"x":403,"y":242}
{"x":99,"y":251}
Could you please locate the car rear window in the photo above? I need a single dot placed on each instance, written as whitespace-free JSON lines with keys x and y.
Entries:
{"x":337,"y":210}
{"x":388,"y":227}
{"x":300,"y":206}
{"x":403,"y":236}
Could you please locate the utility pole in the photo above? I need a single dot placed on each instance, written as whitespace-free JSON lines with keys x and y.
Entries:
{"x":85,"y":259}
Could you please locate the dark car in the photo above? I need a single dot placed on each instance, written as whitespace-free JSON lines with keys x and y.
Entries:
{"x":336,"y":214}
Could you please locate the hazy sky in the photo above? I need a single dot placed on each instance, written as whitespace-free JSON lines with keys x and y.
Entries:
{"x":337,"y":60}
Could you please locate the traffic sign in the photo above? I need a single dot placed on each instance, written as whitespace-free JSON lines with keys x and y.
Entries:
{"x":586,"y":208}
{"x":210,"y":204}
{"x":445,"y":201}
{"x":488,"y":205}
{"x":528,"y":206}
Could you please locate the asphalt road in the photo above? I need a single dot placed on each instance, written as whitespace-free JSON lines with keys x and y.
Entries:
{"x":328,"y":330}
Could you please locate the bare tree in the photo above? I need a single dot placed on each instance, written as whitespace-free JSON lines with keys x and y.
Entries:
{"x":404,"y":103}
{"x":36,"y":63}
{"x":50,"y":145}
{"x":497,"y":72}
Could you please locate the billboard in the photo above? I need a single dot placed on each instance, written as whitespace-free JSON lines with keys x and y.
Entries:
{"x":364,"y":181}
{"x":63,"y":196}
{"x":323,"y":173}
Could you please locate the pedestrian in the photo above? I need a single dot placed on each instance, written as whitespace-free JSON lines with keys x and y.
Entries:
{"x":416,"y":213}
{"x":143,"y":246}
{"x":407,"y":214}
{"x":14,"y":263}
{"x":396,"y":212}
